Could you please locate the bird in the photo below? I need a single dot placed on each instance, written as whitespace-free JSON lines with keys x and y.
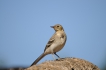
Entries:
{"x":55,"y":43}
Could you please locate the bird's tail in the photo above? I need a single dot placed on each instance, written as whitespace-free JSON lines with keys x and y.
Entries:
{"x":38,"y":59}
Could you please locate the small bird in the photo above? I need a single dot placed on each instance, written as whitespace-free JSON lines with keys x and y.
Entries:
{"x":55,"y":44}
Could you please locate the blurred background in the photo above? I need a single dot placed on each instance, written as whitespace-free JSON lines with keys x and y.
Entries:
{"x":25,"y":30}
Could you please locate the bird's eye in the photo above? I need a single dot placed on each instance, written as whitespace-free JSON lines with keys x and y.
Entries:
{"x":57,"y":26}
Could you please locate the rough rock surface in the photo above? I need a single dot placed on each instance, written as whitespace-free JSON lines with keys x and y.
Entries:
{"x":65,"y":64}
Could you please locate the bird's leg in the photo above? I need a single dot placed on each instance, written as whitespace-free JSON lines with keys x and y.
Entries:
{"x":56,"y":55}
{"x":53,"y":56}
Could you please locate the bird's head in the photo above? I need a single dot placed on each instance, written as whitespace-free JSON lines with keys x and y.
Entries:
{"x":57,"y":27}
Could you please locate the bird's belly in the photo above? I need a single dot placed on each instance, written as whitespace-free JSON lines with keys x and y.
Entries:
{"x":56,"y":47}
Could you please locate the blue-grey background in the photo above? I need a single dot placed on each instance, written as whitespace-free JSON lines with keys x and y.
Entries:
{"x":25,"y":30}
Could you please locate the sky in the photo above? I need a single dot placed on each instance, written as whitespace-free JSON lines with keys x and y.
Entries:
{"x":25,"y":30}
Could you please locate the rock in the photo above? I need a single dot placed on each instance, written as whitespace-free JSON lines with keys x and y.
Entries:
{"x":65,"y":64}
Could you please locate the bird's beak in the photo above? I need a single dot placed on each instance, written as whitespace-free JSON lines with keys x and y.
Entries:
{"x":52,"y":26}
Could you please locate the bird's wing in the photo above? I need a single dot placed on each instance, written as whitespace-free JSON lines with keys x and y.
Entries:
{"x":50,"y":42}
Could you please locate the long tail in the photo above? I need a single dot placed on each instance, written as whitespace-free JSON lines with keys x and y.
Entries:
{"x":38,"y":59}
